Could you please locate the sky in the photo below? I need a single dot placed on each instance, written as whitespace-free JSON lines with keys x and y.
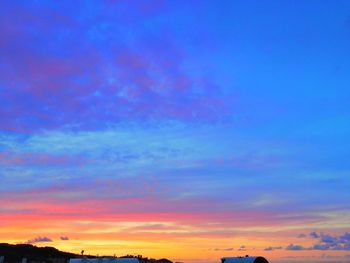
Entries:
{"x":190,"y":130}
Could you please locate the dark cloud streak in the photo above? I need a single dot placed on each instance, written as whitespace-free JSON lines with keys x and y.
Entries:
{"x":38,"y":239}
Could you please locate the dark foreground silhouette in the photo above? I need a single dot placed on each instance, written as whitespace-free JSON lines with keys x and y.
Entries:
{"x":33,"y":254}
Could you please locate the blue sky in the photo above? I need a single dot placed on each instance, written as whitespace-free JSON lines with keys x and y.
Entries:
{"x":207,"y":124}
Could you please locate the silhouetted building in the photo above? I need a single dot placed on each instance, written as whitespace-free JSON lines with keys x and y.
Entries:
{"x":104,"y":260}
{"x":245,"y":259}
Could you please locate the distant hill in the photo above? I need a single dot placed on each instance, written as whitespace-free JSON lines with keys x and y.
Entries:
{"x":34,"y":254}
{"x":15,"y":253}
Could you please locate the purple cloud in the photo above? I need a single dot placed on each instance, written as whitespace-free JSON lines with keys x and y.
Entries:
{"x":345,"y":238}
{"x":326,"y":242}
{"x":295,"y":247}
{"x":328,"y":239}
{"x":329,"y":242}
{"x":314,"y":235}
{"x":64,"y":238}
{"x":38,"y":239}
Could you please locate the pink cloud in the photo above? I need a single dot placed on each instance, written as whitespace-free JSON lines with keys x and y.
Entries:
{"x":49,"y":206}
{"x":72,"y":80}
{"x":39,"y":239}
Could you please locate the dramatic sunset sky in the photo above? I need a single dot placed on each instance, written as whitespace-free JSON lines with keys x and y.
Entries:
{"x":190,"y":130}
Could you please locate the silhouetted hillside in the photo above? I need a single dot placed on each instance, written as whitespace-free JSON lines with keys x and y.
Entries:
{"x":15,"y":253}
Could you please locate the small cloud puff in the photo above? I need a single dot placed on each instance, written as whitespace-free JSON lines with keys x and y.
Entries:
{"x":242,"y":248}
{"x":64,"y":238}
{"x":314,"y":235}
{"x":295,"y":247}
{"x":38,"y":240}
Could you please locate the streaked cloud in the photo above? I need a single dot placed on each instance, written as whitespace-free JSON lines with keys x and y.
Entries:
{"x":295,"y":247}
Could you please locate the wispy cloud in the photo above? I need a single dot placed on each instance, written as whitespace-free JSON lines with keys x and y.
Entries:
{"x":295,"y":247}
{"x":95,"y":83}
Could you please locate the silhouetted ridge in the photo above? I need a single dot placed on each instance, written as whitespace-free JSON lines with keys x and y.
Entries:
{"x":34,"y":254}
{"x":15,"y":253}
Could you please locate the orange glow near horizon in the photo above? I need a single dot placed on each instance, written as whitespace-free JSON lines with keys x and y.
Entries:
{"x":158,"y":239}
